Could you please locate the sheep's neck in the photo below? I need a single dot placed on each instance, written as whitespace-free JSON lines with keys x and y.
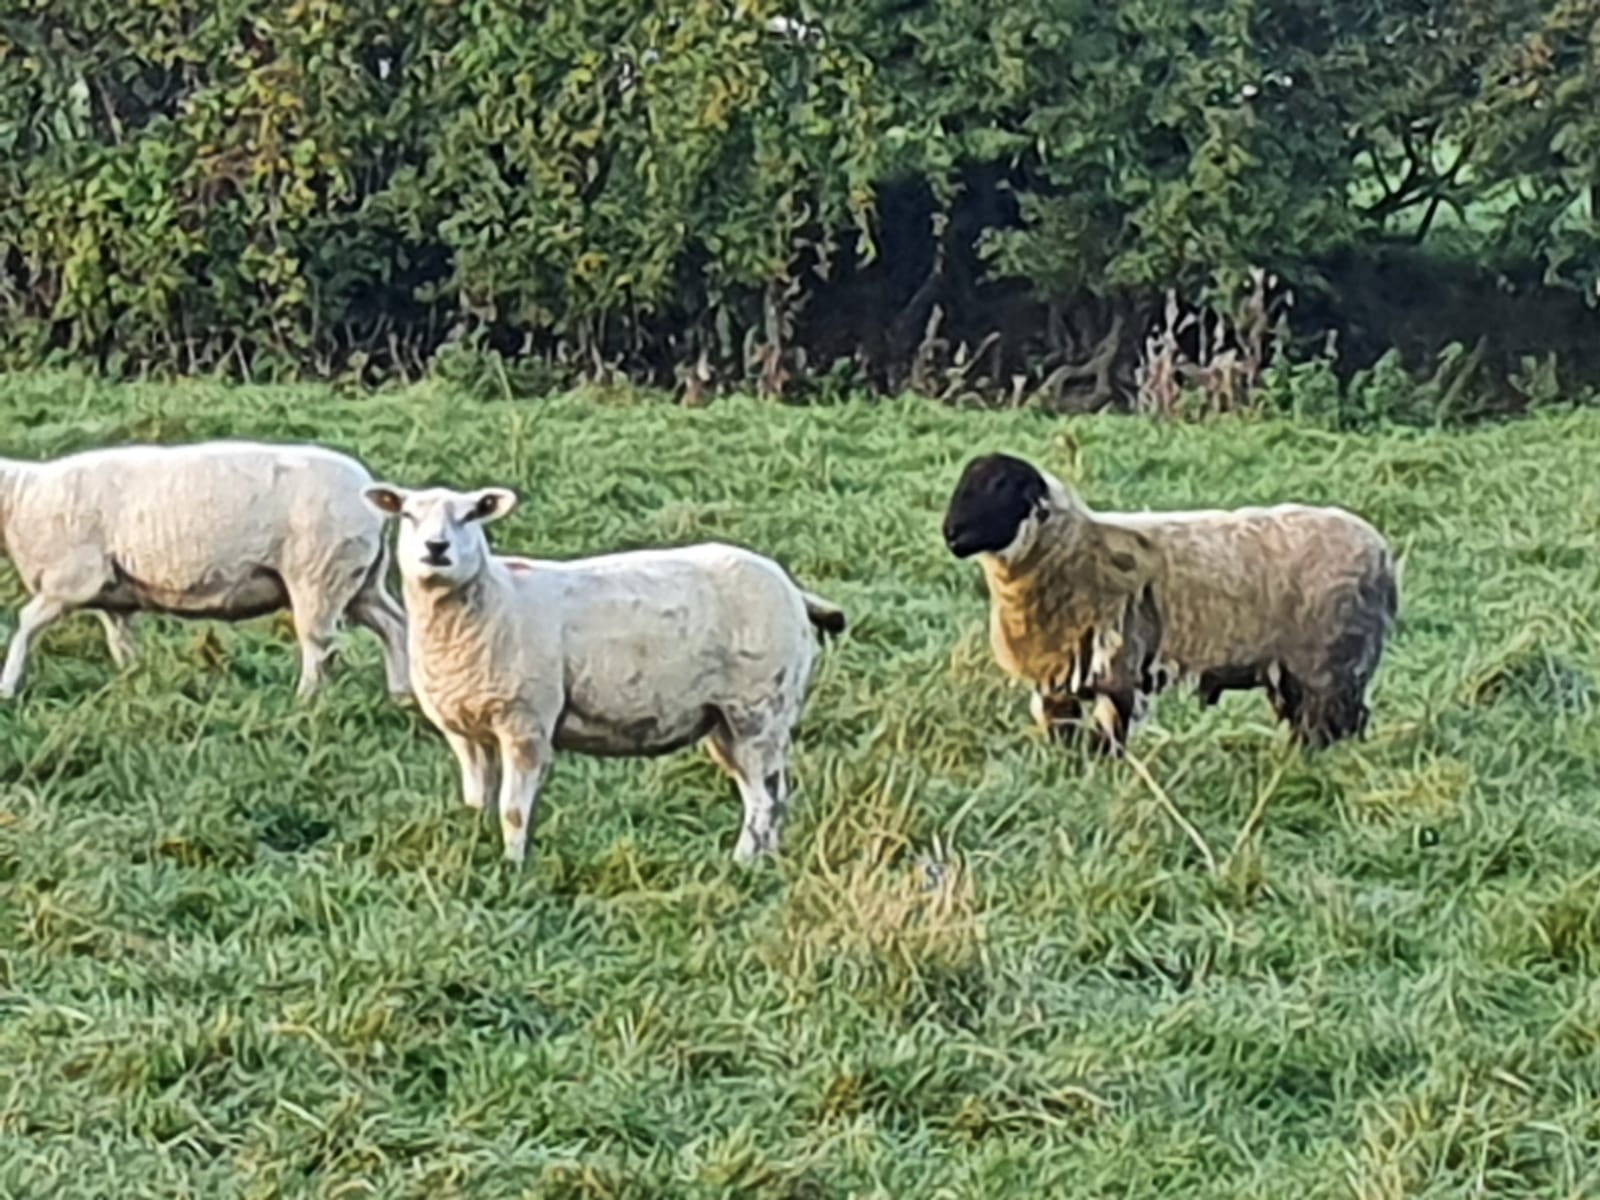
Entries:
{"x":1047,"y":607}
{"x":445,"y":614}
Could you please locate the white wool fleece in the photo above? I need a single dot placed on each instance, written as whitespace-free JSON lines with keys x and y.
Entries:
{"x":218,"y":529}
{"x":637,"y":653}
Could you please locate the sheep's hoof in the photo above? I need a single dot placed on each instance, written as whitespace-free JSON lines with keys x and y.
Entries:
{"x":1105,"y":747}
{"x":1064,"y":733}
{"x":750,"y":852}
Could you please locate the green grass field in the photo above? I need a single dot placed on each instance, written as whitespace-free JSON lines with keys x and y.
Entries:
{"x":253,"y":948}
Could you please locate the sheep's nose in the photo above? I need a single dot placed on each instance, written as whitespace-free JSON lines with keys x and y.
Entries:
{"x":436,"y":549}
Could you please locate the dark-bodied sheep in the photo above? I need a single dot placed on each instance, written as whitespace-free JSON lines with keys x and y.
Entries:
{"x":1293,"y":599}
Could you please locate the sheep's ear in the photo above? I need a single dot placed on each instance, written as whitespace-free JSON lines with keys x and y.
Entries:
{"x":386,"y":498}
{"x":490,"y":504}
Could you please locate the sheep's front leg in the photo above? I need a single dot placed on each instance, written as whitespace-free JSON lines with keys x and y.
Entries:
{"x":316,"y":623}
{"x":1113,"y":713}
{"x":524,"y":760}
{"x":1058,"y":713}
{"x":119,"y":636}
{"x":477,"y":769}
{"x":36,"y":614}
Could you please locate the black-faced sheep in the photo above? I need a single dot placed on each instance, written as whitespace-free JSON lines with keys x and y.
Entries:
{"x":226,"y":530}
{"x":637,"y":653}
{"x":1114,"y":607}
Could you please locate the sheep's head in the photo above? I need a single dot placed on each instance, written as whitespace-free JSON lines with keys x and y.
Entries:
{"x":998,"y":506}
{"x":442,"y":543}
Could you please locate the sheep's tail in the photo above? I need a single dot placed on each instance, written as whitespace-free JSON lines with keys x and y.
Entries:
{"x":1390,"y":585}
{"x":11,"y":472}
{"x":1370,"y":609}
{"x":826,"y":616}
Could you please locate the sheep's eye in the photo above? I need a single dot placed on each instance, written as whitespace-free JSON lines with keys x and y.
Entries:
{"x":405,"y":516}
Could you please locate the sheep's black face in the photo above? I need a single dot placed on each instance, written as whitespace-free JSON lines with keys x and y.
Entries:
{"x":993,"y":498}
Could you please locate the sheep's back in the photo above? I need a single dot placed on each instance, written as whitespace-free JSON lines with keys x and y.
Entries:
{"x":185,"y":519}
{"x":1256,"y":585}
{"x":668,"y":626}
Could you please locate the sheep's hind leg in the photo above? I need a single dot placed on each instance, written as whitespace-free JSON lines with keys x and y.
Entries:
{"x":120,"y":638}
{"x":758,"y":765}
{"x":378,"y":611}
{"x":35,"y":616}
{"x":477,"y":770}
{"x":64,"y":590}
{"x":374,"y":608}
{"x":1336,"y":690}
{"x":1317,"y":716}
{"x":524,"y":760}
{"x":1328,"y":717}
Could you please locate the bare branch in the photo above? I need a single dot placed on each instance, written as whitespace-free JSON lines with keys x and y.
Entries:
{"x":1097,"y":369}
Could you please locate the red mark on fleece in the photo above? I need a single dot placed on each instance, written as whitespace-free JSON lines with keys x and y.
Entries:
{"x":518,"y":564}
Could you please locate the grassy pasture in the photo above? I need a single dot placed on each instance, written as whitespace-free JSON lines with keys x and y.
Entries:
{"x":253,"y":948}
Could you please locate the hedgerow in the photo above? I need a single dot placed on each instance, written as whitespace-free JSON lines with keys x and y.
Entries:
{"x":956,"y":197}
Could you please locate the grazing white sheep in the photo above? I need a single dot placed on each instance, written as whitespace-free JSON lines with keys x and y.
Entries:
{"x":1117,"y":606}
{"x":629,"y":654}
{"x":226,"y":530}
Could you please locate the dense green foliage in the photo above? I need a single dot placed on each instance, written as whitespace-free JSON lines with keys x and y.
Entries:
{"x":249,"y":948}
{"x":356,"y":184}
